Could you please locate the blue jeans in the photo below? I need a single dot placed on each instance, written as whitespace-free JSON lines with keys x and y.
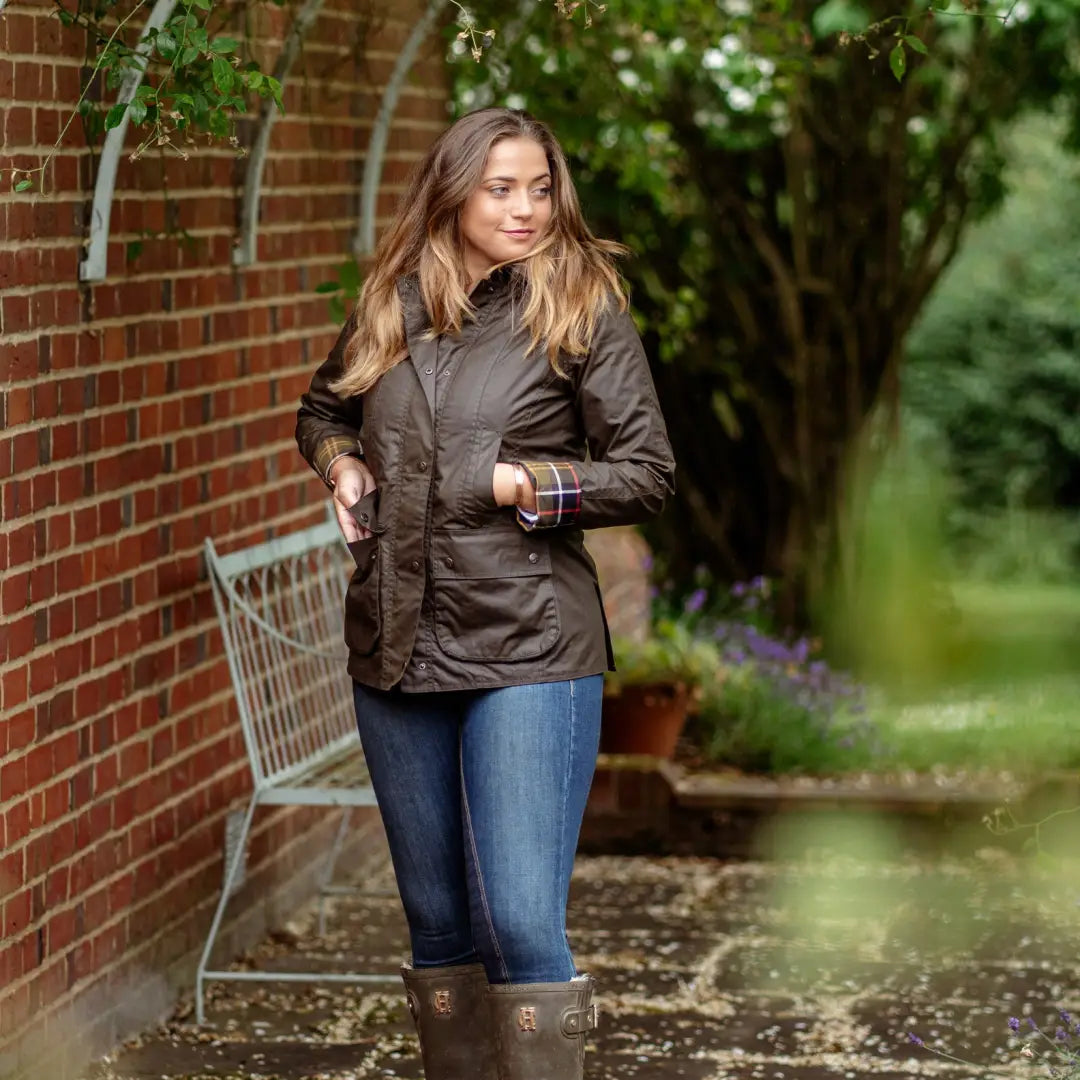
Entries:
{"x":482,"y":793}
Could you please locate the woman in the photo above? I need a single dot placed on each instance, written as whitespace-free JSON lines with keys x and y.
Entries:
{"x":487,"y":400}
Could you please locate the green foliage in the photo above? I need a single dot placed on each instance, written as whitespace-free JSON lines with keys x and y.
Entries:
{"x":994,"y":373}
{"x":195,"y":81}
{"x":670,"y":654}
{"x":791,"y":206}
{"x":342,"y":289}
{"x":747,"y":722}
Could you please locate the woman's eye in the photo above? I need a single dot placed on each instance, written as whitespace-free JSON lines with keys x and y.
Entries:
{"x":542,"y":192}
{"x":499,"y":191}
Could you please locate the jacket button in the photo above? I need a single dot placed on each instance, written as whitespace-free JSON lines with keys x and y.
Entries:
{"x":429,"y":371}
{"x":449,"y":562}
{"x":374,"y":553}
{"x":422,"y":665}
{"x":422,"y":466}
{"x":364,"y":517}
{"x":533,"y":557}
{"x":415,"y":564}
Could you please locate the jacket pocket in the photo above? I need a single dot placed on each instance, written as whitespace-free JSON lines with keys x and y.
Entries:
{"x":363,"y":616}
{"x":494,"y":595}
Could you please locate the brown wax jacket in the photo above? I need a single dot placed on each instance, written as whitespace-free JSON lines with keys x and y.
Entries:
{"x":453,"y":591}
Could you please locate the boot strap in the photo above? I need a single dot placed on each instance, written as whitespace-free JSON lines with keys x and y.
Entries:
{"x":577,"y":1021}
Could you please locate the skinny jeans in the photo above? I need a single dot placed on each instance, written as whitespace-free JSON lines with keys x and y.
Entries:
{"x":482,"y":793}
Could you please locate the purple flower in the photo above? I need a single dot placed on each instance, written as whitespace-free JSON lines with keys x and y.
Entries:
{"x":1014,"y":1024}
{"x":695,"y":601}
{"x":738,"y":589}
{"x":646,"y":563}
{"x":1061,"y":1035}
{"x":1032,"y":1024}
{"x":1066,"y":1018}
{"x":912,"y":1037}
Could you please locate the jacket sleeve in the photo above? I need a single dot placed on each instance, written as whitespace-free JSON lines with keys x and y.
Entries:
{"x":328,"y":426}
{"x":630,"y":469}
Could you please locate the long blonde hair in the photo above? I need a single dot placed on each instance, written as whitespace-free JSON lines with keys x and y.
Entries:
{"x":569,"y":275}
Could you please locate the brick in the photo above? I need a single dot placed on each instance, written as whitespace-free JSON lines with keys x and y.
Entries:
{"x":13,"y":779}
{"x":57,"y":798}
{"x":16,"y":914}
{"x":16,"y":823}
{"x":18,"y":129}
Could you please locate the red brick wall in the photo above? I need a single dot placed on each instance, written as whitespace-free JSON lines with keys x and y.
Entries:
{"x":138,"y":416}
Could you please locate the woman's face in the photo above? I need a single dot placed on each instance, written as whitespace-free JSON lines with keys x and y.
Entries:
{"x":509,"y":210}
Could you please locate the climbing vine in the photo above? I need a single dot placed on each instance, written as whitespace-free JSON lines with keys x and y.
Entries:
{"x":196,"y":78}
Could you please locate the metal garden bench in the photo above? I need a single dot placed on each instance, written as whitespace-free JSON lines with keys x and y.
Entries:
{"x":280,"y":605}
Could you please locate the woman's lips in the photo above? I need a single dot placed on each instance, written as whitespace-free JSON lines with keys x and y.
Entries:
{"x":519,"y":234}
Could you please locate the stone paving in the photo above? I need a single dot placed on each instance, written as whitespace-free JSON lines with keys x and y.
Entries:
{"x":811,"y":970}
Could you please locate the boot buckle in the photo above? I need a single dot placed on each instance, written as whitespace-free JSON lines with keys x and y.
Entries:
{"x":577,"y":1021}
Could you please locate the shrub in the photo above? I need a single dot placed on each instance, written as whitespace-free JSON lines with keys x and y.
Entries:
{"x":766,"y":703}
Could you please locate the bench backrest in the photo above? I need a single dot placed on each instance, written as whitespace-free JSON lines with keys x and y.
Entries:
{"x":280,"y":608}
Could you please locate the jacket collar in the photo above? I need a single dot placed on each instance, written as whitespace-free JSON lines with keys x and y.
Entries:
{"x":496,"y":284}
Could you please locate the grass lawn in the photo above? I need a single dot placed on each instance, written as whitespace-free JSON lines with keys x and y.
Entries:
{"x":1015,"y":702}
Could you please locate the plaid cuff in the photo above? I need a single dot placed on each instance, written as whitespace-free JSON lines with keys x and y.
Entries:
{"x":329,"y":450}
{"x":558,"y":494}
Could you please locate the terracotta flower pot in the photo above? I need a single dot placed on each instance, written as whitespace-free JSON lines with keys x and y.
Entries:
{"x":644,"y":719}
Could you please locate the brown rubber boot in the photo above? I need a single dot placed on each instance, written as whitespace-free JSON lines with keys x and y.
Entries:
{"x":540,"y":1028}
{"x":448,"y":1006}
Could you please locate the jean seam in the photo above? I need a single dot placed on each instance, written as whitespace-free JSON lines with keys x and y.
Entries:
{"x":565,"y":798}
{"x":479,"y":874}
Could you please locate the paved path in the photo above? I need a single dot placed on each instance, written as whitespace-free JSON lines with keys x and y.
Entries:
{"x":812,"y":970}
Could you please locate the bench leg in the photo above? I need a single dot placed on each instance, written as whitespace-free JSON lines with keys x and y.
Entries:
{"x":328,"y":873}
{"x":234,"y":866}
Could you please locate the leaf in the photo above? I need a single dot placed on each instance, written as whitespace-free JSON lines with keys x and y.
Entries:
{"x":218,"y":123}
{"x":188,"y":56}
{"x":337,"y":309}
{"x":915,"y":43}
{"x":145,"y":92}
{"x":166,"y":44}
{"x":199,"y":38}
{"x":254,"y":80}
{"x":205,"y":5}
{"x":835,"y":16}
{"x":349,"y":276}
{"x":898,"y":61}
{"x":24,"y":185}
{"x":137,"y":112}
{"x":115,"y":115}
{"x":275,"y":91}
{"x":223,"y":74}
{"x":328,"y":287}
{"x":224,"y":45}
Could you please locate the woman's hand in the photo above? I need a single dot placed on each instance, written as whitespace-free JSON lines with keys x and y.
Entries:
{"x":352,"y":481}
{"x":504,"y":488}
